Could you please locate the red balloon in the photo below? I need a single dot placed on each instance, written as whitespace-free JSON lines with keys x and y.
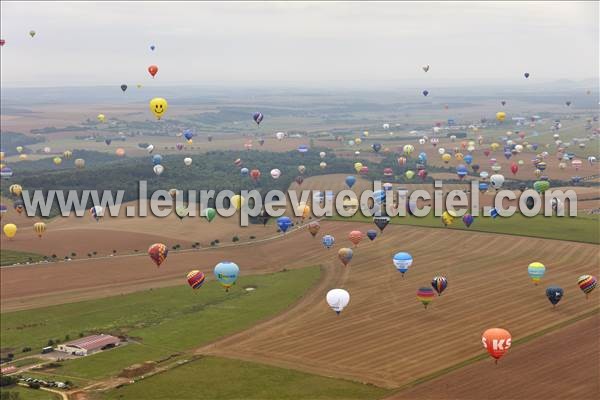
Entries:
{"x":153,"y":69}
{"x":255,"y":174}
{"x":496,"y":341}
{"x":486,"y":152}
{"x":514,"y":168}
{"x":355,"y":237}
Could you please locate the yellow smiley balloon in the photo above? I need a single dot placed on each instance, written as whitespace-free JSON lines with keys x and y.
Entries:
{"x":158,"y":106}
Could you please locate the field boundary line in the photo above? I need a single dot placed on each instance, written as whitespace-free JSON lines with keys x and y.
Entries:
{"x":437,"y":374}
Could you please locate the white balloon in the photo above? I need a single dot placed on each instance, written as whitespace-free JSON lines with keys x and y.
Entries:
{"x":338,"y":299}
{"x":322,"y":154}
{"x":150,"y":148}
{"x":497,"y":181}
{"x":275,"y":173}
{"x":280,"y":135}
{"x":441,"y":151}
{"x":187,"y":161}
{"x":158,"y":169}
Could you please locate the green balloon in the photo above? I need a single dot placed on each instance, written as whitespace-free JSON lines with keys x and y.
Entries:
{"x":210,"y":213}
{"x":181,"y":212}
{"x":541,"y":186}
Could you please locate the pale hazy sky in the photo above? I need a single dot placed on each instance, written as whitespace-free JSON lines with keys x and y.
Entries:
{"x":313,"y":43}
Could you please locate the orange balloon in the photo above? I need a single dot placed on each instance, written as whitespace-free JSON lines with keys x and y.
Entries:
{"x":355,"y":237}
{"x":496,"y":341}
{"x":153,"y":69}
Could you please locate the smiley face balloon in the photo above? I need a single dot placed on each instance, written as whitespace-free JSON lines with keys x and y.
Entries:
{"x":158,"y":106}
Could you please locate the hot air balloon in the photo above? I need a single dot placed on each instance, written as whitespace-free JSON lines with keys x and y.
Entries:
{"x":586,"y":283}
{"x":322,"y":165}
{"x":275,"y":173}
{"x":284,"y":223}
{"x":358,"y":166}
{"x":97,"y":212}
{"x":227,"y":273}
{"x":501,"y":116}
{"x":181,"y":212}
{"x":301,"y":169}
{"x":67,"y":154}
{"x":15,"y":190}
{"x":314,"y":228}
{"x":158,"y":253}
{"x":195,"y":279}
{"x":497,"y":181}
{"x":237,"y":201}
{"x":255,"y":175}
{"x":536,"y":271}
{"x":179,"y":146}
{"x":108,"y":141}
{"x":496,"y":341}
{"x":447,"y":218}
{"x":280,"y":135}
{"x":461,"y":171}
{"x":257,"y":117}
{"x":355,"y":237}
{"x":32,"y":33}
{"x":328,"y":241}
{"x":153,"y":70}
{"x":402,"y":261}
{"x":408,"y":149}
{"x":244,"y":171}
{"x":409,"y":174}
{"x":526,"y":74}
{"x":425,"y":295}
{"x":39,"y":228}
{"x":554,"y":294}
{"x":299,"y":179}
{"x":376,"y":147}
{"x":210,"y":214}
{"x":159,"y":107}
{"x":345,"y":255}
{"x":322,"y":154}
{"x":401,"y":161}
{"x":381,"y":222}
{"x":187,"y":161}
{"x":152,"y":47}
{"x":19,"y":206}
{"x":425,"y":93}
{"x":338,"y":299}
{"x":514,"y":168}
{"x":158,"y":169}
{"x":57,"y":160}
{"x":468,"y":218}
{"x":101,"y":117}
{"x":123,"y":87}
{"x":439,"y":284}
{"x":10,"y":230}
{"x":303,"y":210}
{"x":446,"y":158}
{"x":351,"y":180}
{"x":80,"y":163}
{"x":371,"y":234}
{"x":494,"y":213}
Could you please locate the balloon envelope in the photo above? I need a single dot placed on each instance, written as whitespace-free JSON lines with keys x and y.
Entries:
{"x":226,"y":273}
{"x":328,"y":241}
{"x":402,"y":261}
{"x":158,"y":253}
{"x":554,"y":294}
{"x":338,"y":299}
{"x":496,"y":341}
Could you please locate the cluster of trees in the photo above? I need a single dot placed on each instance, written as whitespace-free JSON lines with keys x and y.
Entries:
{"x":10,"y":141}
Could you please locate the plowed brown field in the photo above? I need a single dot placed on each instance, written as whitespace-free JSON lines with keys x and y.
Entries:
{"x":561,"y":365}
{"x":386,"y":337}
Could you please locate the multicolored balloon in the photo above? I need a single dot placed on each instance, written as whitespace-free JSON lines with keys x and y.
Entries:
{"x":158,"y":253}
{"x":195,"y":279}
{"x":439,"y":284}
{"x":314,"y":228}
{"x":536,"y":271}
{"x":425,"y":295}
{"x":345,"y":255}
{"x":587,"y":283}
{"x":328,"y":241}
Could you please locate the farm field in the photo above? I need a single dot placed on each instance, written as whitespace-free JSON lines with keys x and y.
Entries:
{"x":9,"y":257}
{"x":160,"y":321}
{"x":386,"y":337}
{"x":514,"y":376}
{"x":30,"y":394}
{"x":234,"y":379}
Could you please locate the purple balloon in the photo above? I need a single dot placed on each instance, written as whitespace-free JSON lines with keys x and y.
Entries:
{"x":468,"y":220}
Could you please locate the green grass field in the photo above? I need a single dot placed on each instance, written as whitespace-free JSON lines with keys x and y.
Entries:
{"x":28,"y":394}
{"x":10,"y":257}
{"x":219,"y":378}
{"x":27,"y":361}
{"x":583,"y":228}
{"x":162,"y":322}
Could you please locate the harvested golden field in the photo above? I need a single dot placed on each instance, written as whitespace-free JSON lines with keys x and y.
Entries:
{"x":386,"y":337}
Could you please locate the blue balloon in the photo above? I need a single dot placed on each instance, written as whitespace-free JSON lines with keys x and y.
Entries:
{"x":350,"y":181}
{"x":303,"y":148}
{"x":422,"y":158}
{"x":425,"y":93}
{"x":257,"y":117}
{"x":187,"y":134}
{"x":372,"y":234}
{"x":468,"y":159}
{"x":152,"y":47}
{"x":284,"y":223}
{"x":402,"y":261}
{"x":483,"y":186}
{"x":328,"y":241}
{"x":461,"y":171}
{"x":244,"y":171}
{"x":379,"y":196}
{"x":376,"y":147}
{"x":554,"y":294}
{"x":494,"y":213}
{"x":227,"y":273}
{"x":156,"y":159}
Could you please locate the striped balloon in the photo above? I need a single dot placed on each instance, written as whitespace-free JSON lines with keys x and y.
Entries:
{"x":439,"y":284}
{"x":536,"y":271}
{"x":39,"y":228}
{"x":158,"y":253}
{"x":195,"y":279}
{"x":425,"y":295}
{"x":587,"y":283}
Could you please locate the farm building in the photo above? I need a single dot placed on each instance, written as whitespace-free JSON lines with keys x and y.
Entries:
{"x":89,"y":344}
